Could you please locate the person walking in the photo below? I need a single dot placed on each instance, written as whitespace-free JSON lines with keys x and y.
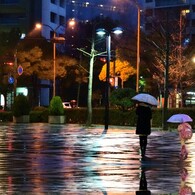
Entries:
{"x":143,"y":126}
{"x":185,"y":133}
{"x":184,"y":130}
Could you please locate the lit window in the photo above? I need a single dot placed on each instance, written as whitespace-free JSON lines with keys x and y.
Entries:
{"x":114,"y":8}
{"x":87,"y":3}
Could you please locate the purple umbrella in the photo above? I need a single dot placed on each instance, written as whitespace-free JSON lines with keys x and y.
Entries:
{"x":179,"y":118}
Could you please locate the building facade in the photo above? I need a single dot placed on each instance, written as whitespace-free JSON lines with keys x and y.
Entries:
{"x":52,"y":14}
{"x":86,"y":10}
{"x":14,"y":14}
{"x":24,"y":14}
{"x":179,"y":9}
{"x":181,"y":13}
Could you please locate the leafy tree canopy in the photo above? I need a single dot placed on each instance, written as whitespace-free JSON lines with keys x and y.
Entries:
{"x":32,"y":63}
{"x":122,"y":98}
{"x":162,"y":38}
{"x":123,"y":69}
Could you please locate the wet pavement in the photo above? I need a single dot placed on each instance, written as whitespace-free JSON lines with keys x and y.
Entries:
{"x":41,"y":158}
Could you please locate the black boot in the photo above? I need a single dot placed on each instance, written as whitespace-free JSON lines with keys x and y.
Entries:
{"x":143,"y":151}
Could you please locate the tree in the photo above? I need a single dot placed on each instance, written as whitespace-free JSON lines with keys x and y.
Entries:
{"x":122,"y":98}
{"x":37,"y":66}
{"x":96,"y":50}
{"x":123,"y":70}
{"x":8,"y":42}
{"x":33,"y":63}
{"x":76,"y":74}
{"x":180,"y":75}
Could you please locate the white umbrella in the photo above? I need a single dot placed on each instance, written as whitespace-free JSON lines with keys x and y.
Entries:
{"x":146,"y":98}
{"x":179,"y":118}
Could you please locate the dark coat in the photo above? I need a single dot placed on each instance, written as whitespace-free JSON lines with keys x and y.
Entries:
{"x":144,"y":116}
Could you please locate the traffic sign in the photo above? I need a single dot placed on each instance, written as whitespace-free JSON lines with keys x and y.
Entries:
{"x":11,"y":80}
{"x":20,"y":70}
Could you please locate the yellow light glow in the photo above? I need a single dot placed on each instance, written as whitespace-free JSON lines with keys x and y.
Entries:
{"x":72,"y":23}
{"x":38,"y":26}
{"x":193,"y":59}
{"x":184,"y":12}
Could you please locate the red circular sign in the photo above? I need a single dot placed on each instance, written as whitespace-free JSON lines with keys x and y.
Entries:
{"x":20,"y":70}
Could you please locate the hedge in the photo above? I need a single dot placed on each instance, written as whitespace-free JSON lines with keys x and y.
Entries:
{"x":116,"y":116}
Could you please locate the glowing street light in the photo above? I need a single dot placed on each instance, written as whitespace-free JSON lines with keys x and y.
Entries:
{"x":103,"y":32}
{"x":54,"y":40}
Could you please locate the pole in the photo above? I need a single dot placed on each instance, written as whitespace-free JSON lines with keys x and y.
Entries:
{"x":138,"y":48}
{"x":90,"y":84}
{"x":54,"y":65}
{"x":166,"y":92}
{"x":15,"y":71}
{"x":180,"y":59}
{"x":108,"y":44}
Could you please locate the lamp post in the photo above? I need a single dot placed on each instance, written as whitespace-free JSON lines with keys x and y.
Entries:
{"x":54,"y":40}
{"x":108,"y":46}
{"x":182,"y":14}
{"x":101,"y":32}
{"x":92,"y":56}
{"x":54,"y":64}
{"x":136,"y":4}
{"x":138,"y":48}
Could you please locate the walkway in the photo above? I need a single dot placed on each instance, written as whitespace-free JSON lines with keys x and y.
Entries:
{"x":70,"y":159}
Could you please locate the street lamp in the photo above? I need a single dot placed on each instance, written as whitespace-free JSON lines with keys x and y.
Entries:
{"x":102,"y":32}
{"x":138,"y":47}
{"x":136,"y":4}
{"x":54,"y":40}
{"x":182,"y":14}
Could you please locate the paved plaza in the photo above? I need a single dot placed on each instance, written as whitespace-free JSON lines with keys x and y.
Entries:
{"x":41,"y":158}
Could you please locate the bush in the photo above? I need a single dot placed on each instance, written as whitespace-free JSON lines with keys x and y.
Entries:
{"x":122,"y":98}
{"x":6,"y":116}
{"x":21,"y":106}
{"x":39,"y":108}
{"x":56,"y":107}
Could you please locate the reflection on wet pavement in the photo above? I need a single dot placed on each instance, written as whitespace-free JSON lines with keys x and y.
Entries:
{"x":70,"y":159}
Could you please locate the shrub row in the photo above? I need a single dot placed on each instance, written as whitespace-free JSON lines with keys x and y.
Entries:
{"x":116,"y":116}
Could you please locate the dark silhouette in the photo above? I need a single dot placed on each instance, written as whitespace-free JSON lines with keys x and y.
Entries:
{"x":143,"y":189}
{"x":143,"y":128}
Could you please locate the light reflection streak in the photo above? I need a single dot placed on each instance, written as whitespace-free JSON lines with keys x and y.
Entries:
{"x":190,"y":163}
{"x":87,"y":162}
{"x":117,"y":163}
